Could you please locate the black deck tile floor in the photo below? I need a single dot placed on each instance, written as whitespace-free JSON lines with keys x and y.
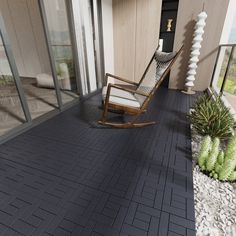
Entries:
{"x":68,"y":176}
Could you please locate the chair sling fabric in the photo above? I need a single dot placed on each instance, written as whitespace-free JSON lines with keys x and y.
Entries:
{"x":155,"y":71}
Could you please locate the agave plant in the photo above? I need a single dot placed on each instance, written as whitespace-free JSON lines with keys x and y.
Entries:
{"x":211,"y":117}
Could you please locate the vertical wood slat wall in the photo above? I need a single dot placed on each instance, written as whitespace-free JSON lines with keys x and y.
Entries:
{"x":136,"y":25}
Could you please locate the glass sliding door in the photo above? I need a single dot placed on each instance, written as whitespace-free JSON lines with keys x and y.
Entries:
{"x":31,"y":56}
{"x":13,"y":108}
{"x":87,"y":36}
{"x":56,"y":19}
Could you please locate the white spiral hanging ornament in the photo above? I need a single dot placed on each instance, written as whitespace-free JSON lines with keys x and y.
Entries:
{"x":195,"y":52}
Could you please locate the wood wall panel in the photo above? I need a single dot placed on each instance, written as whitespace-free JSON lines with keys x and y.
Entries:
{"x":124,"y":24}
{"x":147,"y":33}
{"x":187,"y":15}
{"x":136,"y":33}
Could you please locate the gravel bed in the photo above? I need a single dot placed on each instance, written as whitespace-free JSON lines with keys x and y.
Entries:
{"x":215,"y":201}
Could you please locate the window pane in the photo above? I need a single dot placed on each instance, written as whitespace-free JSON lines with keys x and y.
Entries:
{"x":232,"y":35}
{"x":86,"y":39}
{"x":59,"y":33}
{"x":230,"y":83}
{"x":11,"y":112}
{"x":222,"y":63}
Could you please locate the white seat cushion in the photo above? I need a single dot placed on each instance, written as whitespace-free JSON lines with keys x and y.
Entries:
{"x":121,"y":97}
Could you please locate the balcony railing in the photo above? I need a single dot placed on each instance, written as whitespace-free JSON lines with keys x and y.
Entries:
{"x":224,"y":76}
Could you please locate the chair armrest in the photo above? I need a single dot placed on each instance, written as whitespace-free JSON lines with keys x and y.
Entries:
{"x":121,"y":79}
{"x":128,"y":90}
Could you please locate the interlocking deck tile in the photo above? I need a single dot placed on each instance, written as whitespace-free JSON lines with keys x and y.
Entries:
{"x":68,"y":177}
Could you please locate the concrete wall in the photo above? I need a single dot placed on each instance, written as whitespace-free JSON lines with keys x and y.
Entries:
{"x":136,"y":25}
{"x":187,"y":13}
{"x":24,"y":26}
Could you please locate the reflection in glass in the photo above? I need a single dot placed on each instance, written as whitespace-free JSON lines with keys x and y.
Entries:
{"x":59,"y":33}
{"x":232,"y":33}
{"x":230,"y":83}
{"x":31,"y":59}
{"x":220,"y":71}
{"x":11,"y":112}
{"x":229,"y":89}
{"x":40,"y":93}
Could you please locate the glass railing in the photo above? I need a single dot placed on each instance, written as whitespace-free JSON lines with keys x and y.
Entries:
{"x":224,"y":76}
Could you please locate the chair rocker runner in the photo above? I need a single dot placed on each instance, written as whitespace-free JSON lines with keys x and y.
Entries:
{"x":134,"y":99}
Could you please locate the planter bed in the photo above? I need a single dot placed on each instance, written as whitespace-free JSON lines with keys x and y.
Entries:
{"x":215,"y":201}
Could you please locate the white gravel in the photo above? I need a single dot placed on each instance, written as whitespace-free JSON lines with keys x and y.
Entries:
{"x":215,"y":201}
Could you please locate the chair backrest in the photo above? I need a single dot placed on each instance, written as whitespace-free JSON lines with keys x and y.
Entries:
{"x":154,"y":74}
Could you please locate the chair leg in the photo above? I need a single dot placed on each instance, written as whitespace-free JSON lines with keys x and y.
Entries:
{"x":127,"y":125}
{"x":105,"y":111}
{"x":143,"y":124}
{"x":131,"y":124}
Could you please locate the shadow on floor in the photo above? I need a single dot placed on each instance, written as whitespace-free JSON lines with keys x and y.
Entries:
{"x":64,"y":177}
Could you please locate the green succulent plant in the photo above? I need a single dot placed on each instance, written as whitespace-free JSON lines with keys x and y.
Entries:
{"x":212,"y":157}
{"x":231,"y":147}
{"x":218,"y":164}
{"x":211,"y":117}
{"x":232,"y":177}
{"x":204,"y":151}
{"x":227,"y":169}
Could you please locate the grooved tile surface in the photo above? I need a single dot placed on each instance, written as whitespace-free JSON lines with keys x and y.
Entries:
{"x":70,"y":177}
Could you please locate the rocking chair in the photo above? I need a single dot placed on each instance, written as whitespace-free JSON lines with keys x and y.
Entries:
{"x":134,"y":100}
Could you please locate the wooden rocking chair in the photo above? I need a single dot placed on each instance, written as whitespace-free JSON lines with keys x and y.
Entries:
{"x":134,"y":100}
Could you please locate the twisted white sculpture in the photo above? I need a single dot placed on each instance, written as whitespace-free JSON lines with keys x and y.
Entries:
{"x":195,"y":52}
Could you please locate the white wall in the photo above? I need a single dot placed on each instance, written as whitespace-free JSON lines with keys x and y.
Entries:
{"x":229,"y":21}
{"x":79,"y":44}
{"x":88,"y":36}
{"x":107,"y":24}
{"x":24,"y":26}
{"x":84,"y":41}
